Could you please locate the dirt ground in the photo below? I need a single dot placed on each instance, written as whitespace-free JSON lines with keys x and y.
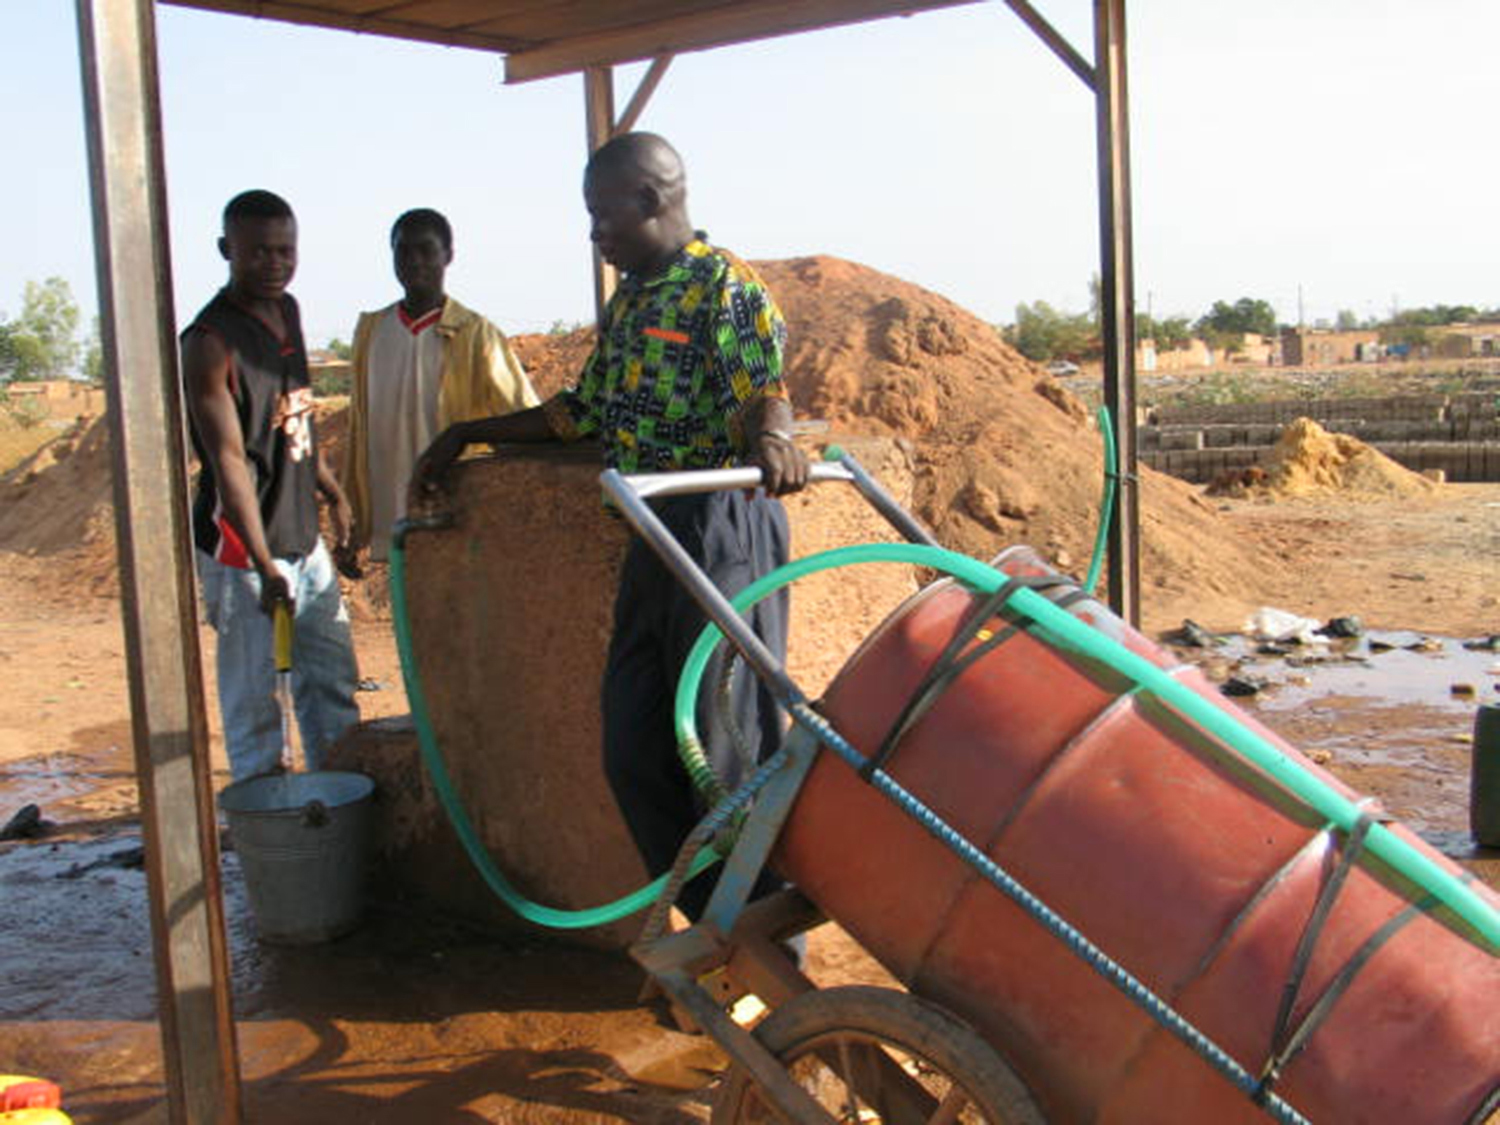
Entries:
{"x":422,"y":1018}
{"x":417,"y":1018}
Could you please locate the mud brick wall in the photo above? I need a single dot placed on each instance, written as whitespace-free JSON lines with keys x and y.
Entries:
{"x":1459,"y":434}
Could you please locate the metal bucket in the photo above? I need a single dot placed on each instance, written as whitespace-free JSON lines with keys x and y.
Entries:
{"x":303,"y":842}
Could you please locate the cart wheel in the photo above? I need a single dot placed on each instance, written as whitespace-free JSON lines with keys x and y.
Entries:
{"x":874,"y":1055}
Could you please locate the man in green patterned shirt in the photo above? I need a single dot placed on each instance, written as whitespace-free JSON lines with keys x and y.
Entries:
{"x":686,"y":374}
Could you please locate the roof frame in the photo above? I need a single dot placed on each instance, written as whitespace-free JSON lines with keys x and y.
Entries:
{"x":117,"y":50}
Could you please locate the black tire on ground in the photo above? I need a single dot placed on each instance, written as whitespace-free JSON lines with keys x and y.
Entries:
{"x":871,"y":1055}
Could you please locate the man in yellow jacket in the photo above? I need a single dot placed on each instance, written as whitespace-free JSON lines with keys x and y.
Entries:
{"x":419,"y":366}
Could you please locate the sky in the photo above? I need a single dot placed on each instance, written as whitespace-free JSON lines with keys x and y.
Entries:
{"x":1318,"y":154}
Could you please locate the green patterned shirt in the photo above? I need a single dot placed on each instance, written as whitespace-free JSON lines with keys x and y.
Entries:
{"x":679,"y":356}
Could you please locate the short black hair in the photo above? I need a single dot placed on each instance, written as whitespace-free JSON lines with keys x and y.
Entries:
{"x":256,"y":204}
{"x":424,"y":218}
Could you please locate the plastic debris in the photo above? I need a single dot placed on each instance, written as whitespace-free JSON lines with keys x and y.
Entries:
{"x":1268,"y":624}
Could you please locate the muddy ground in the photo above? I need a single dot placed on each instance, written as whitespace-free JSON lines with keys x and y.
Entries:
{"x":416,"y":1018}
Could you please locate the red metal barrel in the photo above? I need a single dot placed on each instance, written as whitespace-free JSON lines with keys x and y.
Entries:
{"x":1198,"y":876}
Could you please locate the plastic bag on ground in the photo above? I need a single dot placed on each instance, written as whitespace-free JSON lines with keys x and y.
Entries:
{"x":1268,"y":624}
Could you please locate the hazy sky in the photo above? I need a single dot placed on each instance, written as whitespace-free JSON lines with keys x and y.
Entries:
{"x":1343,"y":146}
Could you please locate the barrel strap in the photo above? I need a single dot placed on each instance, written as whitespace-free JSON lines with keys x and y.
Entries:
{"x":1336,"y":989}
{"x":1286,"y":1041}
{"x":1489,"y":1107}
{"x":953,"y":660}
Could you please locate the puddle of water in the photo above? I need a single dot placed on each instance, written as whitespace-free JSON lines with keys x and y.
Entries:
{"x":1381,"y":713}
{"x":1428,"y":675}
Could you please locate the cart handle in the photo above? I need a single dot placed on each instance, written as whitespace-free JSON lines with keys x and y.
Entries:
{"x":836,"y":465}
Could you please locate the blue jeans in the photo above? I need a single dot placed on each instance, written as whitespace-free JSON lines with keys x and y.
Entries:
{"x":323,"y":670}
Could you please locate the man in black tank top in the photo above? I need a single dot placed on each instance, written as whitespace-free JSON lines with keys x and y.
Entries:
{"x":255,"y":516}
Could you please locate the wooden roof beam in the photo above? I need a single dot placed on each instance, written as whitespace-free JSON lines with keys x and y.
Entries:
{"x":368,"y":25}
{"x":702,"y":29}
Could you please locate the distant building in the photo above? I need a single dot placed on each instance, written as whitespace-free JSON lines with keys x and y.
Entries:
{"x":1263,"y":351}
{"x":1466,"y":341}
{"x":1320,"y":347}
{"x":59,"y":397}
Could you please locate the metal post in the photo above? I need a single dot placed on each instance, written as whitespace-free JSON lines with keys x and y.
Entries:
{"x":599,"y":112}
{"x":117,"y":47}
{"x":1117,"y":298}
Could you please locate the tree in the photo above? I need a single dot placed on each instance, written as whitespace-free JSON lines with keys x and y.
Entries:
{"x":1245,"y":315}
{"x":93,"y":356}
{"x":1042,"y":333}
{"x":42,"y":342}
{"x":1346,"y":321}
{"x":1168,"y":333}
{"x":340,"y":349}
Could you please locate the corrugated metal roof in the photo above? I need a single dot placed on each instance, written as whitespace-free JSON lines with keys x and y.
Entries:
{"x":541,"y":38}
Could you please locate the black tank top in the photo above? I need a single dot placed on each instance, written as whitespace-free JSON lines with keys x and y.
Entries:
{"x":273,"y":397}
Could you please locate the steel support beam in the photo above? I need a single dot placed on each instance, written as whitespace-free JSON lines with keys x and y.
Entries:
{"x":1117,"y":299}
{"x":117,"y":47}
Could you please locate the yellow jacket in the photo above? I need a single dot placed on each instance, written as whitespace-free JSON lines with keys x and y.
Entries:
{"x":481,"y":377}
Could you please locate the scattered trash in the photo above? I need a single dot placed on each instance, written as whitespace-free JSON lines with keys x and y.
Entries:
{"x":1319,"y":757}
{"x":1380,"y":646}
{"x":1466,"y":690}
{"x":1484,"y":644}
{"x":133,"y":859}
{"x":369,"y":685}
{"x":1192,"y":635}
{"x":1268,"y":624}
{"x":27,"y":824}
{"x":1426,"y":644}
{"x":1343,"y":627}
{"x":1244,"y":685}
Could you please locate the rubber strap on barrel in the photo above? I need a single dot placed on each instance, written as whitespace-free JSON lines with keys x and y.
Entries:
{"x":1489,"y":1107}
{"x":1335,"y":990}
{"x":1281,"y":1038}
{"x":949,"y":664}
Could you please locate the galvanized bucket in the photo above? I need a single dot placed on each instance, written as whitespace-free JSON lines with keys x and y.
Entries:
{"x":303,"y":843}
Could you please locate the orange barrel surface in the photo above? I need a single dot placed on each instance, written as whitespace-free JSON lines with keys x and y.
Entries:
{"x":1190,"y":869}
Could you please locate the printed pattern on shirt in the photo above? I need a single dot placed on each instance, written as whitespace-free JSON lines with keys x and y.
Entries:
{"x":679,"y":356}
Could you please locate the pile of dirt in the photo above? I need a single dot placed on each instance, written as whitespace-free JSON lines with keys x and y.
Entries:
{"x":1307,"y":460}
{"x":1001,"y":453}
{"x":57,"y":514}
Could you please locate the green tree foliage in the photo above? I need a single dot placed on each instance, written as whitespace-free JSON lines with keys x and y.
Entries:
{"x":93,"y":356}
{"x":7,"y":351}
{"x":1042,"y":333}
{"x":1245,"y":315}
{"x":1346,"y":321}
{"x":42,"y":343}
{"x":341,"y":349}
{"x":1434,"y":316}
{"x":1168,"y":333}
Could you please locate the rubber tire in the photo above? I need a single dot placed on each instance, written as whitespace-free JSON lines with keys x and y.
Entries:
{"x":897,"y":1019}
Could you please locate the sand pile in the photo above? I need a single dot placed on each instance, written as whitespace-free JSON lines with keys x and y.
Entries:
{"x":57,"y":512}
{"x":1000,"y":453}
{"x":1307,"y":460}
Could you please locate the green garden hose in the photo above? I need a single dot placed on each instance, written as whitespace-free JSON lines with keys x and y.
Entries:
{"x":1062,"y":630}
